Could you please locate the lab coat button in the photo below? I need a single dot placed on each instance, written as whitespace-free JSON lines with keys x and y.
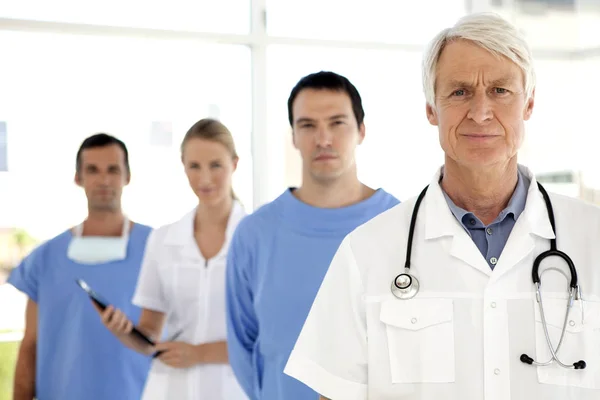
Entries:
{"x":493,"y":304}
{"x":413,"y":321}
{"x":496,"y":371}
{"x":572,"y":323}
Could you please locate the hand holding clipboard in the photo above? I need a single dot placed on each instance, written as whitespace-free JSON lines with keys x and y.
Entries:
{"x":116,"y":321}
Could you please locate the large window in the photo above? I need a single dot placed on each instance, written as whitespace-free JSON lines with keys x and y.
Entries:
{"x":58,"y":89}
{"x":555,"y":25}
{"x":565,"y":4}
{"x":386,"y":21}
{"x":222,"y":16}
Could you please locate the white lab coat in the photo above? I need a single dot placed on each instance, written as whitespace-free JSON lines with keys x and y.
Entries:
{"x":461,"y":337}
{"x":177,"y":280}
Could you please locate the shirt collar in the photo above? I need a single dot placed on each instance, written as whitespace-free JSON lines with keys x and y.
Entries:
{"x":439,"y":221}
{"x":514,"y":208}
{"x":182,"y":231}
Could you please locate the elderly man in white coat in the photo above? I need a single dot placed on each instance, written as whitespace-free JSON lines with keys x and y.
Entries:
{"x":453,"y":310}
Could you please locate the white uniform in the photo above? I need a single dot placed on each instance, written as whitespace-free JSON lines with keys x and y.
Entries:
{"x":462,"y":335}
{"x":177,"y":280}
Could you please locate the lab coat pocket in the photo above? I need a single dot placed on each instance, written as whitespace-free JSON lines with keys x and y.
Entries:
{"x":420,"y":335}
{"x":580,"y":342}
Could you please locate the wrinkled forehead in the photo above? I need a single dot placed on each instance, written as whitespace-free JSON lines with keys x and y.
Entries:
{"x":472,"y":64}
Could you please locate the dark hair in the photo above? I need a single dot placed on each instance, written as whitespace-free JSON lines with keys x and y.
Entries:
{"x":101,"y":140}
{"x":326,"y":80}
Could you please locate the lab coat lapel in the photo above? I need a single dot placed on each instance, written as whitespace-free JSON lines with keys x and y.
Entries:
{"x":519,"y":245}
{"x":181,"y":234}
{"x":532,"y":222}
{"x":440,"y":222}
{"x":181,"y":238}
{"x":465,"y":250}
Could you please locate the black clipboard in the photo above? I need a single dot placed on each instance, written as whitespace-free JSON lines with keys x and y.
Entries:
{"x":102,"y":303}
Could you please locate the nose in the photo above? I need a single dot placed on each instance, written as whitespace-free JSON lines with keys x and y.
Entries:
{"x":105,"y":178}
{"x":323,"y":137}
{"x":204,"y":176}
{"x":480,"y":108}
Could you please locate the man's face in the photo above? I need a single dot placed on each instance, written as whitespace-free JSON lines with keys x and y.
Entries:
{"x":103,"y":175}
{"x":480,"y":106}
{"x":326,"y":133}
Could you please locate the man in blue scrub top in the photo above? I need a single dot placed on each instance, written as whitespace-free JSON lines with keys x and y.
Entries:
{"x":66,"y":353}
{"x":279,"y":255}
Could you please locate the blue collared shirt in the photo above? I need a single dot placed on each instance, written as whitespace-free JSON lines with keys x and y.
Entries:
{"x":491,"y":239}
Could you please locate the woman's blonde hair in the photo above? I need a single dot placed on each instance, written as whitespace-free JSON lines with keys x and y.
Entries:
{"x":214,"y":130}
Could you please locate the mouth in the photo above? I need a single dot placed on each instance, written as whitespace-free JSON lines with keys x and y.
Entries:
{"x":325,"y":157}
{"x":479,"y":137}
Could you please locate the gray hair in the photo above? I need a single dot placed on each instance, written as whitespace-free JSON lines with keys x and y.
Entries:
{"x":491,"y":32}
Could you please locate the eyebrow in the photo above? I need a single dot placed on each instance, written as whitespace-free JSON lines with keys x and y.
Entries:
{"x":214,"y":160}
{"x":497,"y":82}
{"x":333,"y":117}
{"x":304,"y":120}
{"x":94,"y":166}
{"x":338,"y":116}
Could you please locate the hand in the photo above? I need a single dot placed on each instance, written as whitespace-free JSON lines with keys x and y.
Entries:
{"x":115,"y":321}
{"x":177,"y":354}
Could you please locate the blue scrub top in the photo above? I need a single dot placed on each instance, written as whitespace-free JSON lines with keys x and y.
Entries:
{"x":277,"y":260}
{"x":77,"y":357}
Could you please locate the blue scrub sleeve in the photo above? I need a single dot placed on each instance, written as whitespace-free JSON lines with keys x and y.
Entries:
{"x":26,"y":275}
{"x":242,"y":324}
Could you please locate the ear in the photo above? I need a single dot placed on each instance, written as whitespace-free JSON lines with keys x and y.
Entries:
{"x":77,"y":179}
{"x":235,"y":163}
{"x":294,"y":139}
{"x":529,"y":107}
{"x":431,"y":115}
{"x":128,"y":178}
{"x":361,"y":133}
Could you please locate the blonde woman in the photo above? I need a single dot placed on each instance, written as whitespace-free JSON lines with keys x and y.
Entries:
{"x":182,"y":281}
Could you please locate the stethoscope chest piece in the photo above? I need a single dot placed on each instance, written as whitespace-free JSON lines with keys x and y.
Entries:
{"x":405,"y":286}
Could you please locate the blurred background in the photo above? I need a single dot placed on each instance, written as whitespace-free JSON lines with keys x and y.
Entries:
{"x":146,"y":71}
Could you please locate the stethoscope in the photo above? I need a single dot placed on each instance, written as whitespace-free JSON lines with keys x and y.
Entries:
{"x":406,"y":286}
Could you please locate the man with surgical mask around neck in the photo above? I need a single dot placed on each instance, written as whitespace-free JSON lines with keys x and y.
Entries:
{"x":66,"y":353}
